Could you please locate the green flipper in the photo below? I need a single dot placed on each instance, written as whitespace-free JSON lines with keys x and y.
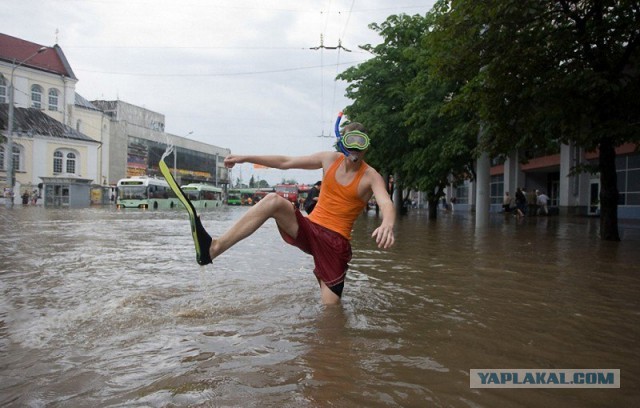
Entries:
{"x":201,"y":238}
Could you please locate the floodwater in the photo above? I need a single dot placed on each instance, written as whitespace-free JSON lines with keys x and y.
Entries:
{"x":107,"y":308}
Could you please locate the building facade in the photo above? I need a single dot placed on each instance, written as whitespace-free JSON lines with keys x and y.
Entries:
{"x":102,"y":141}
{"x":570,"y":193}
{"x":136,"y":141}
{"x":51,"y":161}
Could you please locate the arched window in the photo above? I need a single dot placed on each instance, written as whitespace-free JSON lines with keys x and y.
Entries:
{"x":53,"y":99}
{"x":58,"y":157}
{"x":4,"y":92}
{"x":36,"y":96}
{"x":71,"y":163}
{"x":65,"y":161}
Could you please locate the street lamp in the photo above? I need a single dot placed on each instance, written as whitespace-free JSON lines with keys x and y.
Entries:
{"x":175,"y":158}
{"x":11,"y":171}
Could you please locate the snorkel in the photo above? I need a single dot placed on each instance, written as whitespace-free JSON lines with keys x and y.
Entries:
{"x":339,"y":137}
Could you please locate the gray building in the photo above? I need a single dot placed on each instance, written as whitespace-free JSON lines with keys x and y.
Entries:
{"x":137,"y":140}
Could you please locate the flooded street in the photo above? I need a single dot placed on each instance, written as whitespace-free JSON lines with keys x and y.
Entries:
{"x":107,"y":308}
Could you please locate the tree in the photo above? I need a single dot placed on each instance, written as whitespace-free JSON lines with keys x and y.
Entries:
{"x":539,"y":73}
{"x":442,"y":140}
{"x":378,"y":87}
{"x":252,"y":182}
{"x":263,"y":184}
{"x":402,"y":107}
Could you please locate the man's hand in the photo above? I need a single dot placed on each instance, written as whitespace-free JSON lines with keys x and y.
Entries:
{"x":231,"y":160}
{"x":384,"y":236}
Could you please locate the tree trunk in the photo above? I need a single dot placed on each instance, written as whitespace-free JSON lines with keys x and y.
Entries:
{"x":397,"y":199}
{"x":608,"y":192}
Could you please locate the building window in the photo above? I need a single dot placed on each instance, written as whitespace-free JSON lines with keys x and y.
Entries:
{"x":65,"y":160}
{"x":497,"y":189}
{"x":628,"y":168}
{"x":17,"y":158}
{"x":462,"y":193}
{"x":53,"y":99}
{"x":57,"y":162}
{"x":36,"y":96}
{"x":3,"y":91}
{"x":71,"y":163}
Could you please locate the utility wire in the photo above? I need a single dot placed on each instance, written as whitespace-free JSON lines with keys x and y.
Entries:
{"x":213,"y":74}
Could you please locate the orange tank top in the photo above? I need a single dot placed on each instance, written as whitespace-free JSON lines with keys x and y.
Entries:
{"x":339,"y":206}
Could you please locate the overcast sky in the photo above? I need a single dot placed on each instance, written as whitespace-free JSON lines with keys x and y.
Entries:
{"x":239,"y":74}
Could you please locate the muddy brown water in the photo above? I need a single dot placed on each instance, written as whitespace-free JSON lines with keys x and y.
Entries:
{"x":106,"y":308}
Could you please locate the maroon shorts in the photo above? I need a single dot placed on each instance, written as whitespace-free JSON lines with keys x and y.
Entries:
{"x":331,"y":251}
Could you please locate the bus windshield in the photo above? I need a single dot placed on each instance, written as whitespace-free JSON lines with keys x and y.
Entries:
{"x":192,"y":193}
{"x":132,"y":192}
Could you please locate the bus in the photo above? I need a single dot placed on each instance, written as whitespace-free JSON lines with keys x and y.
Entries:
{"x":145,"y":192}
{"x":288,"y":191}
{"x":203,"y":195}
{"x":241,"y":196}
{"x":234,"y":197}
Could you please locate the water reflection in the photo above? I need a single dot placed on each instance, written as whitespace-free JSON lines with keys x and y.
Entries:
{"x":107,"y":308}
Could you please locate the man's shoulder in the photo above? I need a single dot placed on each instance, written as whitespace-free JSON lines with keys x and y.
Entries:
{"x":328,"y":158}
{"x":370,"y":170}
{"x":371,"y":175}
{"x":331,"y":154}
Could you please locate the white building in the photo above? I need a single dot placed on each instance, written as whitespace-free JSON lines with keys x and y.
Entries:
{"x":100,"y":142}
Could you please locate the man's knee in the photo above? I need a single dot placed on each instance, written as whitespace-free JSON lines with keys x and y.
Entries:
{"x":277,"y":206}
{"x":274,"y":200}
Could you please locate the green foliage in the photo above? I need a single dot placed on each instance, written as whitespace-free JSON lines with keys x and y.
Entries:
{"x":532,"y":74}
{"x":541,"y":73}
{"x":402,"y":106}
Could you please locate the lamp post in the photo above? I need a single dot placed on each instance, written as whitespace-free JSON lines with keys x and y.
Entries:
{"x":175,"y":158}
{"x":216,"y":169}
{"x":11,"y":170}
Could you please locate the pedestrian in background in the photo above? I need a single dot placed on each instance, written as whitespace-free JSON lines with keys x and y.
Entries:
{"x":312,"y":197}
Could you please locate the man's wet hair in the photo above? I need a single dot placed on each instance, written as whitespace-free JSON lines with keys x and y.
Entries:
{"x":353,"y":126}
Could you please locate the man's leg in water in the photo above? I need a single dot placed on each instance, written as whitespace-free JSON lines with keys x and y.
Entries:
{"x":272,"y":206}
{"x":327,"y":295}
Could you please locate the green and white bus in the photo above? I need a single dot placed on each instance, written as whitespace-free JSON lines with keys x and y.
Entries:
{"x":145,"y":192}
{"x":203,"y":195}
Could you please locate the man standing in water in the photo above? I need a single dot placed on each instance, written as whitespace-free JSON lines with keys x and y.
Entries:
{"x":348,"y":184}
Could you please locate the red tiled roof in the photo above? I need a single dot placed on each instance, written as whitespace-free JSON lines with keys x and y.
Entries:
{"x":52,"y":60}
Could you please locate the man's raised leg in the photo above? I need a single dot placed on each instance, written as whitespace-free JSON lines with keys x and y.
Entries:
{"x":272,"y":206}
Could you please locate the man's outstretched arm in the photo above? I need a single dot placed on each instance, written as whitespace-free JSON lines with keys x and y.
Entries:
{"x":310,"y":162}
